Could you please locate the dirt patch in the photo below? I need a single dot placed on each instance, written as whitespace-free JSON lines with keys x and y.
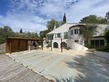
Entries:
{"x":68,"y":52}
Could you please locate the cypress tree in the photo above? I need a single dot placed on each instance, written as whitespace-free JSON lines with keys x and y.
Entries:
{"x":64,"y":18}
{"x":21,"y":31}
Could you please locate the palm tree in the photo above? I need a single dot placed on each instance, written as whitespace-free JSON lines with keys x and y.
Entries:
{"x":87,"y":32}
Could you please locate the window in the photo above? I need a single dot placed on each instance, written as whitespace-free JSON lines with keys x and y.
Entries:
{"x":50,"y":36}
{"x":65,"y":35}
{"x":76,"y":41}
{"x":98,"y":43}
{"x":76,"y":31}
{"x":71,"y":32}
{"x":58,"y":35}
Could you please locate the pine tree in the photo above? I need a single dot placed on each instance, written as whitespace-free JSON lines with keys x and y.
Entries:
{"x":107,"y":17}
{"x":64,"y":18}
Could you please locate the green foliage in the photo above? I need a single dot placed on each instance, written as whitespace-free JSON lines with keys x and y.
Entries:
{"x":93,"y":19}
{"x":26,"y":35}
{"x":6,"y":32}
{"x":51,"y":24}
{"x":43,"y":33}
{"x":103,"y":49}
{"x":89,"y":45}
{"x":106,"y":36}
{"x":107,"y":15}
{"x":64,"y":18}
{"x":31,"y":35}
{"x":87,"y":31}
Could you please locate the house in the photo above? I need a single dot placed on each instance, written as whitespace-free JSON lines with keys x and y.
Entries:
{"x":71,"y":37}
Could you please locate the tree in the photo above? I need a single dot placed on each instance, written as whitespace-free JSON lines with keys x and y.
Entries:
{"x":43,"y":33}
{"x":21,"y":31}
{"x":107,"y":16}
{"x":54,"y":23}
{"x":51,"y":24}
{"x":93,"y":19}
{"x":27,"y":35}
{"x":87,"y":31}
{"x":64,"y":18}
{"x":31,"y":35}
{"x":5,"y":32}
{"x":106,"y":36}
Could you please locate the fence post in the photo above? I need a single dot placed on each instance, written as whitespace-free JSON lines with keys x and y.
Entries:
{"x":51,"y":44}
{"x":42,"y":43}
{"x":61,"y":46}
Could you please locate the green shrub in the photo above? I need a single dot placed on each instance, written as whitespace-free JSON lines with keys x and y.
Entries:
{"x":89,"y":45}
{"x":49,"y":44}
{"x":102,"y":49}
{"x":106,"y":36}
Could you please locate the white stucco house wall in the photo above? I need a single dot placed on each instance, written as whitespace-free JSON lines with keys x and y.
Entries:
{"x":71,"y":38}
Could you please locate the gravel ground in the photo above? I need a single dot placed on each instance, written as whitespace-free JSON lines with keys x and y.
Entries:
{"x":69,"y":66}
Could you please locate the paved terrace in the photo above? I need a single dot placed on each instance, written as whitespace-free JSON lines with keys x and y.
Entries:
{"x":11,"y":71}
{"x":71,"y":66}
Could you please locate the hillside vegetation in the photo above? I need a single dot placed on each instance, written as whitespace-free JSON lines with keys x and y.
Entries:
{"x":6,"y":32}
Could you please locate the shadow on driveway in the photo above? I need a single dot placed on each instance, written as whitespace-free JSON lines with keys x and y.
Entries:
{"x":91,"y":68}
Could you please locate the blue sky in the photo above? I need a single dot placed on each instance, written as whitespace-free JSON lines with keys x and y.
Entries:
{"x":3,"y":7}
{"x":32,"y":15}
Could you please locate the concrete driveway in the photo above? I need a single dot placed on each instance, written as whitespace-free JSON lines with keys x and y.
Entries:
{"x":63,"y":67}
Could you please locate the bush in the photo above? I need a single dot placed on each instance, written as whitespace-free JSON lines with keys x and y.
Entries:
{"x":103,"y":49}
{"x":49,"y":44}
{"x":89,"y":45}
{"x":106,"y":36}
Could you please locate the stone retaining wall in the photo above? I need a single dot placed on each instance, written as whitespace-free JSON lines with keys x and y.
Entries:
{"x":2,"y":48}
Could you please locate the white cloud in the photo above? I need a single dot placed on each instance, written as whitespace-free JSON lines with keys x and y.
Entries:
{"x":32,"y":15}
{"x":85,"y":8}
{"x":26,"y":22}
